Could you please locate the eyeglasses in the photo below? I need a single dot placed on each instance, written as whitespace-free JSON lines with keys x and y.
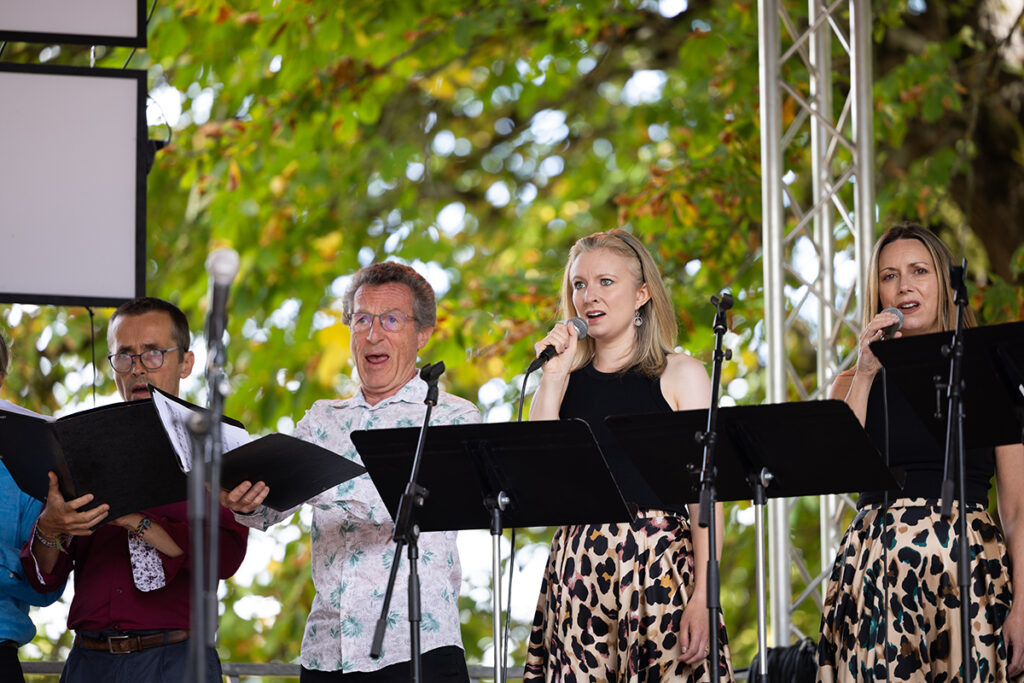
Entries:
{"x":392,"y":321}
{"x":151,"y":359}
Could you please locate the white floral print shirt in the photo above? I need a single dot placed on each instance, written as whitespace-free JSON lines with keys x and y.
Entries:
{"x":352,"y":549}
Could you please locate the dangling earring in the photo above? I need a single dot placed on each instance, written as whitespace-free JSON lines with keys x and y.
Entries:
{"x":637,"y":319}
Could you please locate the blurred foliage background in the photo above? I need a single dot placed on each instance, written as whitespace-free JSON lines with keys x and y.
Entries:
{"x":477,"y":141}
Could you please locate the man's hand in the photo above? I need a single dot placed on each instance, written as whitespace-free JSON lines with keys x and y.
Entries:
{"x":245,"y":497}
{"x":62,"y":516}
{"x":129,"y":522}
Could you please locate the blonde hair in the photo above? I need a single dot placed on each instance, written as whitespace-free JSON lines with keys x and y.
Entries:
{"x":656,"y":337}
{"x":941,"y":258}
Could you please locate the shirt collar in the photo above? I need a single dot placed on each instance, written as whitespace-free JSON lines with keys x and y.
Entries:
{"x":414,"y":391}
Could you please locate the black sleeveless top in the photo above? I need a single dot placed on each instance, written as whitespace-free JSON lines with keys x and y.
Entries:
{"x":592,"y":396}
{"x":913,"y":449}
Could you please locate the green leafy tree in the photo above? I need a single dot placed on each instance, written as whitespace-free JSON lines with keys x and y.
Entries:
{"x":477,"y":141}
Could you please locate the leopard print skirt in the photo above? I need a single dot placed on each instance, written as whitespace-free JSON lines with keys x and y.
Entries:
{"x":611,"y":603}
{"x":911,"y":622}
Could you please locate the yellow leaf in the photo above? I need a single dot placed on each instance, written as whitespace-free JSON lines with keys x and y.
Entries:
{"x":271,"y":232}
{"x":440,"y":88}
{"x":328,"y":245}
{"x":234,"y":175}
{"x":334,"y":341}
{"x":278,"y":184}
{"x":290,"y":169}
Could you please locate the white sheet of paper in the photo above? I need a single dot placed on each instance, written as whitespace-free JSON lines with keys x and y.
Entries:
{"x":14,"y":408}
{"x":173,"y":415}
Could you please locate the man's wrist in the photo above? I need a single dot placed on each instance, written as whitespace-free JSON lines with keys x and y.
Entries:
{"x":54,"y":542}
{"x":140,"y":528}
{"x":43,"y":527}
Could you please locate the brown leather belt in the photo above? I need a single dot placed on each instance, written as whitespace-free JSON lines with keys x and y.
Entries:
{"x":122,"y":645}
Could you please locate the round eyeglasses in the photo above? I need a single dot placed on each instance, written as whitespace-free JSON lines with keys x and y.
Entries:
{"x":392,"y":321}
{"x":151,"y":359}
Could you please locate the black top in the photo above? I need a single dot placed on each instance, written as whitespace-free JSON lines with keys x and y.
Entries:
{"x":913,"y":449}
{"x":592,"y":396}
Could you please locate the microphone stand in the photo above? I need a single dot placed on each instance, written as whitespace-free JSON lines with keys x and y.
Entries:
{"x":204,"y":478}
{"x":199,"y":425}
{"x":204,"y":512}
{"x":407,"y":533}
{"x":708,"y":473}
{"x":955,"y":453}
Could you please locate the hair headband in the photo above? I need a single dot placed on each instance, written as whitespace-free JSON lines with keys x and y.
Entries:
{"x":618,"y":235}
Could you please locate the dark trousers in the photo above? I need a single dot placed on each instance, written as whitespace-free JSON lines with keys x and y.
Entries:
{"x":164,"y":664}
{"x":443,"y":665}
{"x":10,"y":667}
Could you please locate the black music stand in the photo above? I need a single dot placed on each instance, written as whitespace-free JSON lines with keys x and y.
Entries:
{"x":770,"y":451}
{"x":984,"y":408}
{"x":495,"y":476}
{"x":994,"y":386}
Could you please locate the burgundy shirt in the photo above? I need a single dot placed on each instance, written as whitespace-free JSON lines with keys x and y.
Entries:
{"x":105,"y":595}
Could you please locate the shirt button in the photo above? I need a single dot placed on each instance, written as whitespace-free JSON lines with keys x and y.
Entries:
{"x":119,"y":591}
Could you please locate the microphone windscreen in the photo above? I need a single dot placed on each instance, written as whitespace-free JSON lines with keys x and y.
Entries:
{"x":581,"y":327}
{"x":222,"y":265}
{"x":899,"y":314}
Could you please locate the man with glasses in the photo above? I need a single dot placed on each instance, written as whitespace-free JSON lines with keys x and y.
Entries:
{"x":391,"y":312}
{"x":131,"y":610}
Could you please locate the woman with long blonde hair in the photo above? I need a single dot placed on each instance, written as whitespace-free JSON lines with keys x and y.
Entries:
{"x":892,"y":606}
{"x":622,"y":602}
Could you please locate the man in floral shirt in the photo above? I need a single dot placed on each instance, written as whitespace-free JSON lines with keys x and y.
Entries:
{"x":391,"y":311}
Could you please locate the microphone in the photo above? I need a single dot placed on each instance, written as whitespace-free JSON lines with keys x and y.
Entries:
{"x":222,"y":265}
{"x":889,"y":331}
{"x":549,"y":351}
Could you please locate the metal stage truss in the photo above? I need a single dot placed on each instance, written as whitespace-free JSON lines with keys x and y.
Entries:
{"x":817,"y":164}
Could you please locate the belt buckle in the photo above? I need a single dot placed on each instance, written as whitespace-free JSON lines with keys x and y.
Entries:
{"x":120,"y":639}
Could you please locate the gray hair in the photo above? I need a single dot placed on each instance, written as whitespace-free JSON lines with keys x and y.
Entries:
{"x":424,"y":304}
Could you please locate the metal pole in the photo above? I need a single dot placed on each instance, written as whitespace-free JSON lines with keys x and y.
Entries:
{"x":499,"y":660}
{"x":497,"y":504}
{"x":863,"y":137}
{"x":820,"y":43}
{"x":775,"y":314}
{"x":199,"y":430}
{"x":762,"y":594}
{"x":822,"y":182}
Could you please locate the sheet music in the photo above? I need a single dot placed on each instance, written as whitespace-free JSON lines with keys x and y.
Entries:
{"x":14,"y":408}
{"x":174,"y":415}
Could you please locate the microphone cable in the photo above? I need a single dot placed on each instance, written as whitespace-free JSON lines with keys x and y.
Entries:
{"x":522,"y":396}
{"x":794,"y":663}
{"x":511,"y":560}
{"x":508,"y":607}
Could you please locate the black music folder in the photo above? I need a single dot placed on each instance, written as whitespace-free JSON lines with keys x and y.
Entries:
{"x":295,"y":470}
{"x":136,"y":455}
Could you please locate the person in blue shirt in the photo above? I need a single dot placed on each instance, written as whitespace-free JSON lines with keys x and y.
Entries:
{"x":18,"y":513}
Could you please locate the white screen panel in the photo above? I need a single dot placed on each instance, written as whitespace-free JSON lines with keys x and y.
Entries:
{"x":70,"y":189}
{"x":99,"y":22}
